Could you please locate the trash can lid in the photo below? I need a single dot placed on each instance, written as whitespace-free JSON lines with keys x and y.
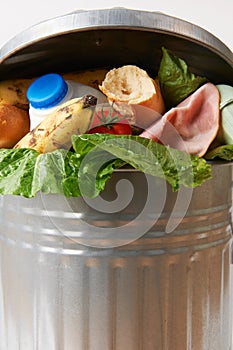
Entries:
{"x":98,"y":38}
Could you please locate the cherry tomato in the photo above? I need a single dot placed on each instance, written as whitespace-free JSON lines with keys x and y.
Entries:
{"x":108,"y":121}
{"x":115,"y":129}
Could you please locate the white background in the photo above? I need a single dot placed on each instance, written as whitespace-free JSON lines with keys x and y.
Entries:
{"x":214,"y":16}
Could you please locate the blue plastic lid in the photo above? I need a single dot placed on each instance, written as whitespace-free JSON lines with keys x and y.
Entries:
{"x":47,"y":91}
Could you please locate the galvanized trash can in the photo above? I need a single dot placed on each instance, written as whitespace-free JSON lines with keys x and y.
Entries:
{"x":71,"y":278}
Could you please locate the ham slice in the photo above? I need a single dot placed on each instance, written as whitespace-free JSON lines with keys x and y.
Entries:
{"x":192,"y":125}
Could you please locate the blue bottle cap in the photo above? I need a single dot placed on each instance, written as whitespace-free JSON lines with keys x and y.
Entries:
{"x":47,"y":91}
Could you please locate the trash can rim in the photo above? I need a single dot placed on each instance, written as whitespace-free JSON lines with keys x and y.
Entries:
{"x":115,"y":18}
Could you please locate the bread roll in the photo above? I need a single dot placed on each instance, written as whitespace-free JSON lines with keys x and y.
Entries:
{"x":14,"y":124}
{"x":131,"y":84}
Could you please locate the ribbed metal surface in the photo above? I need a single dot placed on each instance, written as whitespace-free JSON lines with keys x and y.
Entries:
{"x":161,"y":291}
{"x":74,"y":276}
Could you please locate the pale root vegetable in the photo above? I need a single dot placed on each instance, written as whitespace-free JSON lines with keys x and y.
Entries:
{"x":131,"y":84}
{"x":56,"y":129}
{"x":14,"y":124}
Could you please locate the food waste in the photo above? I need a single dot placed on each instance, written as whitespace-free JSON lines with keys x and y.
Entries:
{"x":183,"y":119}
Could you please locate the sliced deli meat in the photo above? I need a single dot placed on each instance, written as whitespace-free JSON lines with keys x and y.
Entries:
{"x":192,"y":125}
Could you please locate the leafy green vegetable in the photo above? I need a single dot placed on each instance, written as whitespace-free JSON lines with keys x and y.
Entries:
{"x":25,"y":171}
{"x":224,"y":152}
{"x":17,"y":171}
{"x":95,"y":168}
{"x":49,"y":171}
{"x":85,"y":171}
{"x":176,"y":81}
{"x":178,"y":168}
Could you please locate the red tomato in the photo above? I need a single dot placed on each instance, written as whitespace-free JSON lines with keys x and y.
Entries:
{"x":116,"y":129}
{"x":108,"y":121}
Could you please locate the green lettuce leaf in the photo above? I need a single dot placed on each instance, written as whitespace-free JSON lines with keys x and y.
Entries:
{"x":176,"y":81}
{"x":25,"y":172}
{"x":224,"y":152}
{"x":95,"y":166}
{"x":50,"y":170}
{"x":86,"y":170}
{"x":17,"y":171}
{"x":178,"y":168}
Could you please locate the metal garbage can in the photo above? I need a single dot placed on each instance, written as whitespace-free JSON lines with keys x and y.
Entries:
{"x":66,"y":284}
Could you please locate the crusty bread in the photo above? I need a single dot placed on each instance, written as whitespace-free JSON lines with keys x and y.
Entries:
{"x":15,"y":123}
{"x":131,"y":84}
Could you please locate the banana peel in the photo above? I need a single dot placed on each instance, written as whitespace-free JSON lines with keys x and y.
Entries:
{"x":91,"y":77}
{"x":56,"y":129}
{"x":13,"y":91}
